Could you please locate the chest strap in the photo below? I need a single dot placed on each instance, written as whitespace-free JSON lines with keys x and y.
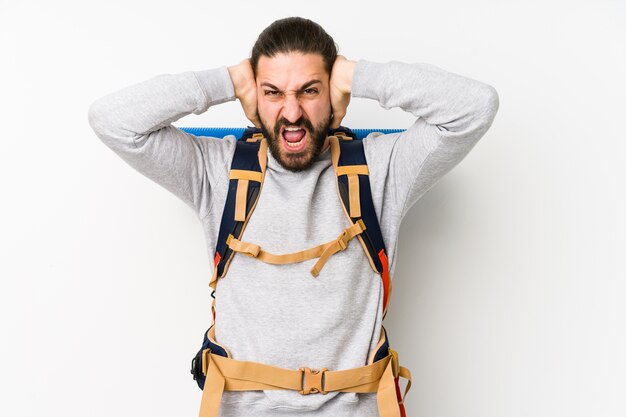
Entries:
{"x":323,"y":252}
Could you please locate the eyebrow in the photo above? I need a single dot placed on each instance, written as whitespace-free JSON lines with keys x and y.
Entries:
{"x":304,"y":86}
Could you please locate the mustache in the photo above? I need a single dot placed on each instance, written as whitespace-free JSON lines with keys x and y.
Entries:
{"x":301,"y":122}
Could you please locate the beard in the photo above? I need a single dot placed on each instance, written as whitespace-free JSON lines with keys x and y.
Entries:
{"x":297,"y":161}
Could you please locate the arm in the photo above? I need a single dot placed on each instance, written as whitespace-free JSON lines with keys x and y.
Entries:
{"x":135,"y":123}
{"x":453,"y":112}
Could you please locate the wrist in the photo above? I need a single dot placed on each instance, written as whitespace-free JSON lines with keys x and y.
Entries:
{"x":235,"y":78}
{"x":348,"y":72}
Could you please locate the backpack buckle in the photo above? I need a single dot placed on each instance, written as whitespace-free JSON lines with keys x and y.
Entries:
{"x":312,"y":381}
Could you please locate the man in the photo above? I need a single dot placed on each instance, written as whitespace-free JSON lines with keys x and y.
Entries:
{"x":295,"y":87}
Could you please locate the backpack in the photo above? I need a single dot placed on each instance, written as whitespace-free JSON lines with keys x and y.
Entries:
{"x":245,"y":184}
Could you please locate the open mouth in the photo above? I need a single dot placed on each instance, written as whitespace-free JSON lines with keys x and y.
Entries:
{"x":294,"y":138}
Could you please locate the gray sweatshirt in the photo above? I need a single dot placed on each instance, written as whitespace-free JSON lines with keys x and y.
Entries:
{"x":279,"y":314}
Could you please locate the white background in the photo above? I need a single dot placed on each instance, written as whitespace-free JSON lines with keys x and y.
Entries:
{"x":510,"y":284}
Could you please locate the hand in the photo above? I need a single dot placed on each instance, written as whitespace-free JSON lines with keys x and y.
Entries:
{"x":245,"y":89}
{"x":340,"y":88}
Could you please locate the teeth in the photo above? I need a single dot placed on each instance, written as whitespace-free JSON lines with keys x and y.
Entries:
{"x":295,"y":144}
{"x":292,"y":129}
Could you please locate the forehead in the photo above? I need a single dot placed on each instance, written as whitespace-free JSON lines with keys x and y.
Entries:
{"x":291,"y":70}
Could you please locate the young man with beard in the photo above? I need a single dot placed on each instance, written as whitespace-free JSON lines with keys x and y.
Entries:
{"x":295,"y":87}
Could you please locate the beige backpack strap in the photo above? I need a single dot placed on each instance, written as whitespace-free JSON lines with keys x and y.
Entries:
{"x":352,"y":174}
{"x":323,"y":252}
{"x":226,"y":374}
{"x":354,"y":192}
{"x":241,"y":214}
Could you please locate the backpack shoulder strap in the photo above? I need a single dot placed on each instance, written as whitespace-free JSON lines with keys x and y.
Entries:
{"x":353,"y":185}
{"x":247,"y":171}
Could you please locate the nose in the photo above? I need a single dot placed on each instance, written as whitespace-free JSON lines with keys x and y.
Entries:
{"x":291,"y":108}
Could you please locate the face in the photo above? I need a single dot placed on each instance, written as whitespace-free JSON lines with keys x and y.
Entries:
{"x":293,"y":97}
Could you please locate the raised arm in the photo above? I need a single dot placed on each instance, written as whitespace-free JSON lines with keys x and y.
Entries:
{"x":453,"y":112}
{"x":135,"y":123}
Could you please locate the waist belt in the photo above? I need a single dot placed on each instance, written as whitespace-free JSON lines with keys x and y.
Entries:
{"x":226,"y":374}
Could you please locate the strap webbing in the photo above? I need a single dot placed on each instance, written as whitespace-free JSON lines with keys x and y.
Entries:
{"x":352,"y":169}
{"x":241,"y":200}
{"x":358,"y":205}
{"x":249,"y":164}
{"x":323,"y":252}
{"x":353,"y":172}
{"x":225,"y":374}
{"x":355,"y":195}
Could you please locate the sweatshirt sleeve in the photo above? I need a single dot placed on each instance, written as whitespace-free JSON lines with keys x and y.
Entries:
{"x":135,"y":123}
{"x":453,"y":112}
